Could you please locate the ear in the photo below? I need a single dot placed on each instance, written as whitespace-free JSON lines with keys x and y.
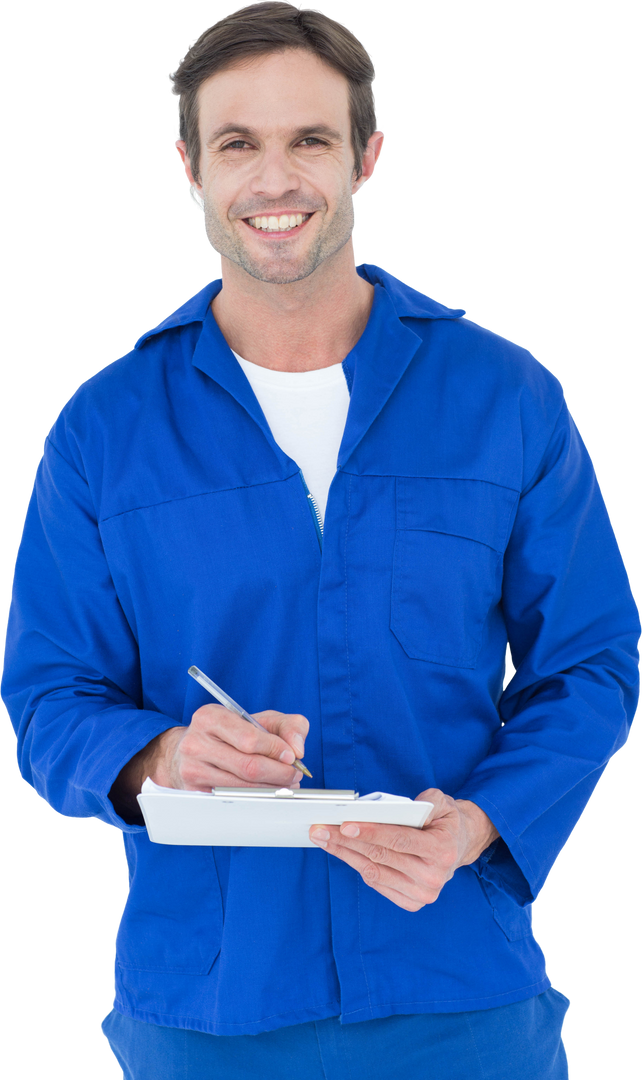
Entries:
{"x":372,"y":157}
{"x":182,"y":149}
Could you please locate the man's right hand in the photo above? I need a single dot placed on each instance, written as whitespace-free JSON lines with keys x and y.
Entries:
{"x":221,"y":749}
{"x":218,"y":749}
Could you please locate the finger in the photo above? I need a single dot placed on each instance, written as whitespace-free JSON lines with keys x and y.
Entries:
{"x":204,"y":756}
{"x":215,"y":720}
{"x":402,"y":839}
{"x":291,"y":727}
{"x":201,"y":776}
{"x":424,"y":872}
{"x":399,"y":899}
{"x":261,"y":770}
{"x":379,"y":875}
{"x":412,"y":865}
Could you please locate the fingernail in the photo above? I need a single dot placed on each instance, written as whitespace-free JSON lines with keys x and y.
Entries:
{"x":319,"y":836}
{"x":298,"y":745}
{"x":287,"y":756}
{"x":349,"y":830}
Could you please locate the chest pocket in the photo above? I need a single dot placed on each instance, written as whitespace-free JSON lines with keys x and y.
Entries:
{"x":447,"y":569}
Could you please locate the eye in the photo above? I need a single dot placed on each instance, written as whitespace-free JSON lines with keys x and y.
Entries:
{"x":236,"y":144}
{"x":311,"y":140}
{"x":240,"y":142}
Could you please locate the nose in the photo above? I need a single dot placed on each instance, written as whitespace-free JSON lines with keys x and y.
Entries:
{"x":275,"y":174}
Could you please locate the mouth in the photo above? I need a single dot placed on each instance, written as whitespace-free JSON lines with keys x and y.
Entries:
{"x":278,"y":233}
{"x":277,"y":224}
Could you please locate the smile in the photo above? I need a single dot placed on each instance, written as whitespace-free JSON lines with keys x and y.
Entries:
{"x":274,"y":224}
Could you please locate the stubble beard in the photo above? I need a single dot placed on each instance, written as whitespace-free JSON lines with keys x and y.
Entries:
{"x":284,"y":262}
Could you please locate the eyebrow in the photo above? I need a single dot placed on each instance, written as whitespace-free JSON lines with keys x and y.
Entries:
{"x":299,"y":133}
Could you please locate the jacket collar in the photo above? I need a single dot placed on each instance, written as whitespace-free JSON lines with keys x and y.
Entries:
{"x":373,"y":367}
{"x":408,"y":300}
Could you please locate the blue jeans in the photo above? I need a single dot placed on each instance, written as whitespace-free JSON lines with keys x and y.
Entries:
{"x":514,"y":1042}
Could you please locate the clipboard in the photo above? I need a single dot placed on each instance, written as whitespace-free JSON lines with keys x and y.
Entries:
{"x":265,"y":817}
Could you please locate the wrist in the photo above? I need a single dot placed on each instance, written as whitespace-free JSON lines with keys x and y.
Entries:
{"x":158,"y":758}
{"x":154,"y":760}
{"x":479,"y":831}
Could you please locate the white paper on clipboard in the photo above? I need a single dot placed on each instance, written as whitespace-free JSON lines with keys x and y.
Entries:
{"x":225,"y":819}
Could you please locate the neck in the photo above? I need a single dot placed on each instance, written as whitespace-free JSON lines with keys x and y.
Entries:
{"x":300,"y":326}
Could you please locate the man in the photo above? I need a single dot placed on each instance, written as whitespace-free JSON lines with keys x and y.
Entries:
{"x":339,"y":499}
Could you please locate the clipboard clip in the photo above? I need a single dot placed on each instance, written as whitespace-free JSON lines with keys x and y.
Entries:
{"x":286,"y":793}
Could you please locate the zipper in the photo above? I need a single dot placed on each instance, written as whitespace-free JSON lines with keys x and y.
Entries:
{"x":314,"y":510}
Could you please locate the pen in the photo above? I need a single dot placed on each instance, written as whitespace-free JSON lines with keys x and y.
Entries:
{"x":227,"y":701}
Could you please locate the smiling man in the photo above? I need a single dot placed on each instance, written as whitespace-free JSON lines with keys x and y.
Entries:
{"x":277,"y":185}
{"x":341,"y":500}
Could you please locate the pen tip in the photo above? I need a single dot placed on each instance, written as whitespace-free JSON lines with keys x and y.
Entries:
{"x":301,"y":766}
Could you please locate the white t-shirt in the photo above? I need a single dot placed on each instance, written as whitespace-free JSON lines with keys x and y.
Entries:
{"x":306,"y":411}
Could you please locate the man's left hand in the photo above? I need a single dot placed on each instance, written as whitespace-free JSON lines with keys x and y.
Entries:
{"x":411,"y":866}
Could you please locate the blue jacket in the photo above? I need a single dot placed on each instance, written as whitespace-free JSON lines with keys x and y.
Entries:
{"x":167,"y":528}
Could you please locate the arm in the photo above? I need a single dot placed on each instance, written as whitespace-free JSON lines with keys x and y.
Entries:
{"x":71,"y":681}
{"x":573,"y":629}
{"x":149,"y":761}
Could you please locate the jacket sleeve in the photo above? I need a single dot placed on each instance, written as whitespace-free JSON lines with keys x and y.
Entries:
{"x":72,"y":681}
{"x":572,"y":628}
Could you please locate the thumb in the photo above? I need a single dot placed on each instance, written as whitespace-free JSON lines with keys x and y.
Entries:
{"x":443,"y":805}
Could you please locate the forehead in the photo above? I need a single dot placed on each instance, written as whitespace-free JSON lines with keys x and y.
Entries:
{"x":277,"y":92}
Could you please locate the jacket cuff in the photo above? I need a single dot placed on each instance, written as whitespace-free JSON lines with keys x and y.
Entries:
{"x":497,"y":864}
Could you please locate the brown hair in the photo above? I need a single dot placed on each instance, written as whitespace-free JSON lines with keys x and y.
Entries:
{"x":267,"y":28}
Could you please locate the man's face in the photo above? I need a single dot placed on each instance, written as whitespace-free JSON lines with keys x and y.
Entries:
{"x":277,"y":164}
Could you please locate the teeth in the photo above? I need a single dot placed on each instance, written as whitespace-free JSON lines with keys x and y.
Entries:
{"x":280,"y":224}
